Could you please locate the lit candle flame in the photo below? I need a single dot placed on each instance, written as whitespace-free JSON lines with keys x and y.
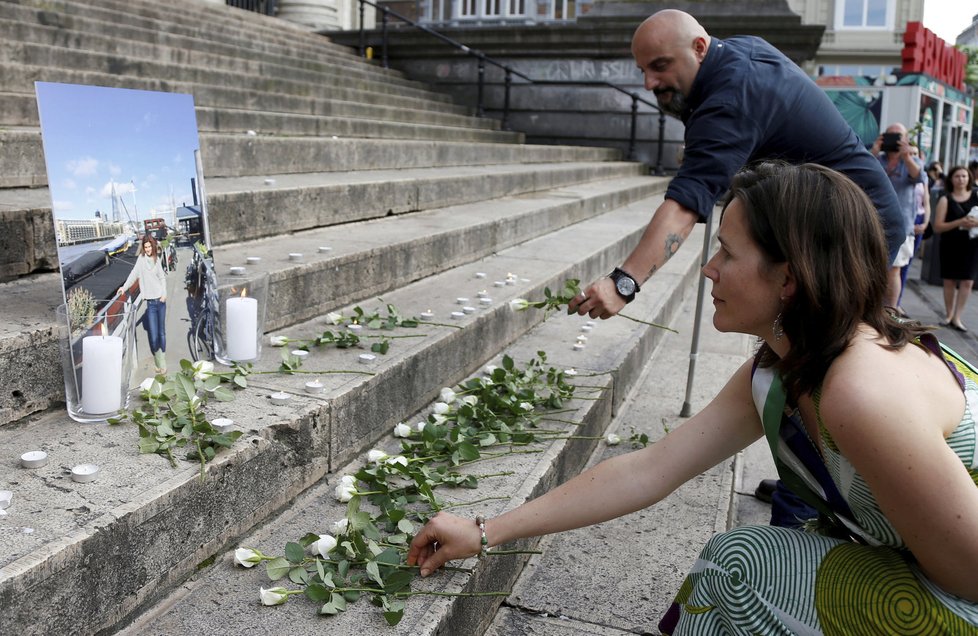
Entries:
{"x":244,"y":292}
{"x":102,"y":326}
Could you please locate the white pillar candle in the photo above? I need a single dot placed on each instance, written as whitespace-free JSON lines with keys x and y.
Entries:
{"x":101,"y":374}
{"x":242,"y":328}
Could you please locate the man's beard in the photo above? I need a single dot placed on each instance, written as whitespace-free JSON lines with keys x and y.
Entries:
{"x":676,"y":105}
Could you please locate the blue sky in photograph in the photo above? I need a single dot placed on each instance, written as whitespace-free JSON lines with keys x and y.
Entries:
{"x":94,"y":137}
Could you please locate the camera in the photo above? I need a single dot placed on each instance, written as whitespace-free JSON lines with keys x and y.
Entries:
{"x":891,"y":142}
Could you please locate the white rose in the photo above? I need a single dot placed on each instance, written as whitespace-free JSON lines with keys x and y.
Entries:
{"x":341,"y":526}
{"x":518,"y":304}
{"x":274,"y":596}
{"x":278,"y":341}
{"x":471,"y":400}
{"x":348,"y":480}
{"x":203,"y":369}
{"x":195,"y":401}
{"x":344,"y":493}
{"x":420,"y":426}
{"x":334,"y":318}
{"x":323,"y":545}
{"x":246,"y":557}
{"x":400,"y":459}
{"x":490,"y":368}
{"x":612,"y":440}
{"x":570,"y":372}
{"x":526,"y":406}
{"x":439,"y":419}
{"x":447,"y":395}
{"x":440,"y":408}
{"x":402,"y":430}
{"x":376,"y":455}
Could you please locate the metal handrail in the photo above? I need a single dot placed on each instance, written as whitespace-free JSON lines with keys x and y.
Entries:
{"x":484,"y":59}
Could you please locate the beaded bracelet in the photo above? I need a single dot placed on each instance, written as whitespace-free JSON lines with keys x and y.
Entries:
{"x":484,"y":545}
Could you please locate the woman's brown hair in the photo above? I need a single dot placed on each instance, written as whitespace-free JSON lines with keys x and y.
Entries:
{"x":149,"y":238}
{"x":825,"y":228}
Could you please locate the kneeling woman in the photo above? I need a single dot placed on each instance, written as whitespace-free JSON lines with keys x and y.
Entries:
{"x":870,"y":420}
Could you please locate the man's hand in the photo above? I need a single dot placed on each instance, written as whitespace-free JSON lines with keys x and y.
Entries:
{"x":600,"y":300}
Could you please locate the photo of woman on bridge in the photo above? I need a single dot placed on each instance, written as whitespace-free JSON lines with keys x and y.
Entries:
{"x":148,"y":271}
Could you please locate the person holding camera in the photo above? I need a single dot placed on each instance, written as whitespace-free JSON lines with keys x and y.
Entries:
{"x":905,"y":171}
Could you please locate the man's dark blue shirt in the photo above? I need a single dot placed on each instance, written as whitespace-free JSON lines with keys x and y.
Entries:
{"x":749,"y":103}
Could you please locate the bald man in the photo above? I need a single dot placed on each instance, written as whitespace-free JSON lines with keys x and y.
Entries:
{"x":742,"y":101}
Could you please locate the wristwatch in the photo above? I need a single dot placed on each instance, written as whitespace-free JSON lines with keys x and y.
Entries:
{"x":625,"y":285}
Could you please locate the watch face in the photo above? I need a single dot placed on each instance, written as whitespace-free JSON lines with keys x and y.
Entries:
{"x":625,"y":285}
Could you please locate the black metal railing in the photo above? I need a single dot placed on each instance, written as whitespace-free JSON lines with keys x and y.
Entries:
{"x":265,"y":7}
{"x":509,"y":74}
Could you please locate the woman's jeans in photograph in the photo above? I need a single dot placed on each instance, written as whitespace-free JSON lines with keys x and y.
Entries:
{"x":156,"y":324}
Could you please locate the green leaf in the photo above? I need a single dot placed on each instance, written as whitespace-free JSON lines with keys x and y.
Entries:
{"x":343,"y":568}
{"x":373,"y":570}
{"x":148,"y":445}
{"x":405,"y":526}
{"x":299,"y":576}
{"x":223,"y":394}
{"x":294,"y":552}
{"x":241,"y":381}
{"x":338,"y":601}
{"x":317,"y":593}
{"x":329,"y":609}
{"x":277,"y":568}
{"x":397,"y":581}
{"x":212,"y":382}
{"x":468,"y":451}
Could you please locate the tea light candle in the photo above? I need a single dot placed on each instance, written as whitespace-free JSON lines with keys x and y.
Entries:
{"x":302,"y":354}
{"x":295,"y":256}
{"x":355,"y":328}
{"x":485,"y":301}
{"x":314,"y":386}
{"x":237,"y":271}
{"x":253,"y":259}
{"x":222,"y":424}
{"x":461,"y":300}
{"x":499,"y":283}
{"x":279,"y":398}
{"x":366,"y":358}
{"x":242,"y":327}
{"x":468,"y":310}
{"x":578,"y":346}
{"x":84,"y":473}
{"x":586,"y":328}
{"x":269,"y":181}
{"x":590,"y":323}
{"x":325,"y":248}
{"x":510,"y":281}
{"x":480,"y":274}
{"x":5,"y":497}
{"x":582,"y":338}
{"x":482,"y":294}
{"x":101,"y":373}
{"x":524,"y":280}
{"x":458,"y":315}
{"x":34,"y":459}
{"x":427,"y":315}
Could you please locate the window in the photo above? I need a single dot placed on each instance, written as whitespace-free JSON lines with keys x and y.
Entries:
{"x":864,"y":14}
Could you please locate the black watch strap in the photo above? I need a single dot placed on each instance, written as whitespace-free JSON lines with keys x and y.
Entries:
{"x":625,"y":285}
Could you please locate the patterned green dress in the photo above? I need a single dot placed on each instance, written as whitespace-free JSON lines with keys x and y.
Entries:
{"x":770,"y":580}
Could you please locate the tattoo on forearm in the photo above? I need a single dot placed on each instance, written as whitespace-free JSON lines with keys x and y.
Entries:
{"x":673,"y":242}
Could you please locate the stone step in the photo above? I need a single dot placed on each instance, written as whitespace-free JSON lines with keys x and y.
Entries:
{"x":227,"y":155}
{"x":100,"y":552}
{"x":367,"y":258}
{"x":25,"y":24}
{"x":19,"y":79}
{"x":192,"y":19}
{"x":303,"y":201}
{"x":20,"y":110}
{"x":315,"y":86}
